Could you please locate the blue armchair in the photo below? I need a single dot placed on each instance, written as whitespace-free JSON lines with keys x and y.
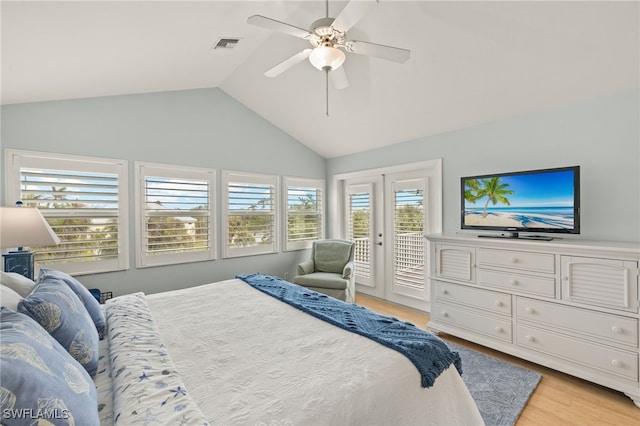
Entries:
{"x":330,"y":270}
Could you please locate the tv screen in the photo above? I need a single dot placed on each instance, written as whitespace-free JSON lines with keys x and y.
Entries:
{"x":545,"y":200}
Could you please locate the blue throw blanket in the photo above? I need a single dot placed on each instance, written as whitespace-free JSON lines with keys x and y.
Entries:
{"x":427,"y":352}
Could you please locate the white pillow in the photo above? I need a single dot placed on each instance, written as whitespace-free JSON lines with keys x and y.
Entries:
{"x":18,"y":283}
{"x":9,"y":298}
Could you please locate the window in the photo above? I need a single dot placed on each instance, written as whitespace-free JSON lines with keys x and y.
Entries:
{"x":84,"y":201}
{"x":249,"y":213}
{"x":304,"y":210}
{"x":174,"y":213}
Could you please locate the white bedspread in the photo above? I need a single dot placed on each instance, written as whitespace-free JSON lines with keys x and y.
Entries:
{"x":247,"y":358}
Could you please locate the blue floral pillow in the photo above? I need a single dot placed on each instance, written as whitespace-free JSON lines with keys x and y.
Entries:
{"x":90,"y":303}
{"x":59,"y":311}
{"x":40,"y":380}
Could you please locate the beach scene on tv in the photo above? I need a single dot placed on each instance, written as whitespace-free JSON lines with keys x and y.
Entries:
{"x":538,"y":200}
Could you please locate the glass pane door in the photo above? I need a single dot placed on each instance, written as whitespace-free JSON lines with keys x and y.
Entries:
{"x":359,"y":230}
{"x":409,"y":277}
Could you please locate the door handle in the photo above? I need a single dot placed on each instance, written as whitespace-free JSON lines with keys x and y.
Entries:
{"x":379,"y":243}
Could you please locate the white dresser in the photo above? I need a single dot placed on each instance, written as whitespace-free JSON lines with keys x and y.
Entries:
{"x":571,"y":305}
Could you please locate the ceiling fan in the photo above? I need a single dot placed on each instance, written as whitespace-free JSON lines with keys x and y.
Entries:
{"x":328,"y":39}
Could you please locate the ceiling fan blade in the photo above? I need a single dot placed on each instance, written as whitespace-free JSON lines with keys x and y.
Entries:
{"x":339,"y":78}
{"x":272,"y":24}
{"x":288,"y":63}
{"x":381,"y":51}
{"x":352,"y":13}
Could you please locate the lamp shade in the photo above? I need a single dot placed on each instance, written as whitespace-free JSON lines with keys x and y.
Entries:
{"x":326,"y":57}
{"x":25,"y":226}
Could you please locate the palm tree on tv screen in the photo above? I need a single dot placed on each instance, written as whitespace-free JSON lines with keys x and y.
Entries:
{"x":495,"y":192}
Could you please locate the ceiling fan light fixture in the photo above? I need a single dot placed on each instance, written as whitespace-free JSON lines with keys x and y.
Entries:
{"x":326,"y":58}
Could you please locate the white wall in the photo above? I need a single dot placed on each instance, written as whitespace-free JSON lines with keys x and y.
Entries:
{"x":203,"y":128}
{"x":601,"y":135}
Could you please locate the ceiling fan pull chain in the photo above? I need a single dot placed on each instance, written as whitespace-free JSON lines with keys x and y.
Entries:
{"x":326,"y":81}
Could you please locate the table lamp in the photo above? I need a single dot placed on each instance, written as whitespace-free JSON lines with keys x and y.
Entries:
{"x":20,"y":227}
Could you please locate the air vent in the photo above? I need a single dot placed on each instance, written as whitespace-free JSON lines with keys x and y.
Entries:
{"x":226,"y":43}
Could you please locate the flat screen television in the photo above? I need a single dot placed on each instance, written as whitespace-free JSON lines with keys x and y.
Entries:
{"x":545,"y":201}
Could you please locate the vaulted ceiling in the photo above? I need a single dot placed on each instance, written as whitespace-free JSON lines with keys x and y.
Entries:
{"x":471,"y":62}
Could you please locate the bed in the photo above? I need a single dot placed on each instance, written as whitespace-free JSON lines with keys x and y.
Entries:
{"x":230,"y":353}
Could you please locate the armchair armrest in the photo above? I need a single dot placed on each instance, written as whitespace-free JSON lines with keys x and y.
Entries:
{"x":306,"y":267}
{"x":347,"y":271}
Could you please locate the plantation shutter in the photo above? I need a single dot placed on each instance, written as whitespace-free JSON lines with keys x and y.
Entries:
{"x":408,"y":239}
{"x":304,"y":209}
{"x":251,"y":214}
{"x":83,"y":200}
{"x":359,"y":230}
{"x":175,"y":209}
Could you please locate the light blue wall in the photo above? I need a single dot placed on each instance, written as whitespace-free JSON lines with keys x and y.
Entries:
{"x":601,"y":135}
{"x":207,"y":128}
{"x":203,"y":128}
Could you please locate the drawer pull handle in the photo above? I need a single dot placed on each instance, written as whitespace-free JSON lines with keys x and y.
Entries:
{"x":513,"y":282}
{"x":444,"y":291}
{"x":445,"y":314}
{"x":499,"y":303}
{"x":530,"y":310}
{"x":499,"y":329}
{"x":514,"y":260}
{"x":530,"y":338}
{"x":616,"y":363}
{"x":616,"y":329}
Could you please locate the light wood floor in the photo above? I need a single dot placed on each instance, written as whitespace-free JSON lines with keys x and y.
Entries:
{"x":559,"y":399}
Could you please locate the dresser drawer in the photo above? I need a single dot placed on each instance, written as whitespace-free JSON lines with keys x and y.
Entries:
{"x":493,"y":301}
{"x":517,"y":282}
{"x":495,"y":327}
{"x":525,"y":261}
{"x":610,"y":360}
{"x":592,"y":324}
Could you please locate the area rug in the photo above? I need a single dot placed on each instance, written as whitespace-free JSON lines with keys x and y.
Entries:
{"x":501,"y":390}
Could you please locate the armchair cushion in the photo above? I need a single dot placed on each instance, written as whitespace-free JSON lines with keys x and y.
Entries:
{"x":322,"y":280}
{"x":330,"y":256}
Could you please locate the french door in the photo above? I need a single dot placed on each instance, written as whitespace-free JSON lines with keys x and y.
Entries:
{"x":405,"y":221}
{"x":387,"y":216}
